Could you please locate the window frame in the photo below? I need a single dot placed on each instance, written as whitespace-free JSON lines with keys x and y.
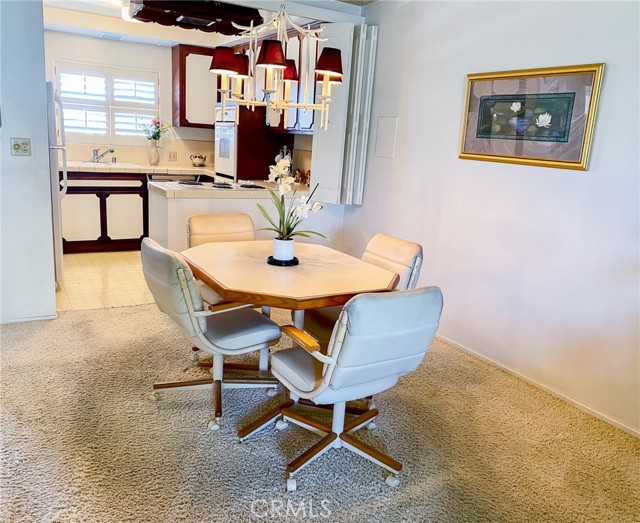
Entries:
{"x":110,"y":106}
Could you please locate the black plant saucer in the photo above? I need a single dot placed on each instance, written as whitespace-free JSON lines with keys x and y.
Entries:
{"x":283,"y":263}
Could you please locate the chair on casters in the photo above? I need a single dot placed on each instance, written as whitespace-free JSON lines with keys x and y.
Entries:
{"x":222,"y":227}
{"x":396,"y":255}
{"x":378,"y":338}
{"x":238,"y":330}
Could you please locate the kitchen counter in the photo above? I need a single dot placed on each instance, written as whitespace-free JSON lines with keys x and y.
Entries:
{"x":123,"y":167}
{"x":208,"y":191}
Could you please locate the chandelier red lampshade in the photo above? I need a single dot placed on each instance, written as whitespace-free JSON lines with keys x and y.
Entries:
{"x":330,"y":62}
{"x":290,"y":73}
{"x":241,"y":65}
{"x":271,"y":55}
{"x":223,"y":61}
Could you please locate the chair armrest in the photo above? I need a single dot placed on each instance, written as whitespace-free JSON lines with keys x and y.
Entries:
{"x":224,"y":306}
{"x":305,"y":341}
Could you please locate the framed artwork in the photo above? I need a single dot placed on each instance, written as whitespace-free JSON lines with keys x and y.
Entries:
{"x":543,"y":117}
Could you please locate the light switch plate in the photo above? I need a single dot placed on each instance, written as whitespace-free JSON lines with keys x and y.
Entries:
{"x":20,"y":146}
{"x":172,"y":156}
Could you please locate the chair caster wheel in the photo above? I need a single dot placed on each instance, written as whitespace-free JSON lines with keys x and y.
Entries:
{"x":371,"y":426}
{"x":155,"y":396}
{"x":272,"y":393}
{"x":392,"y":481}
{"x":291,"y":485}
{"x":213,"y":425}
{"x":281,"y":425}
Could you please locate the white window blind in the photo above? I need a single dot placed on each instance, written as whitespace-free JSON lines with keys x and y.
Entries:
{"x":107,"y":104}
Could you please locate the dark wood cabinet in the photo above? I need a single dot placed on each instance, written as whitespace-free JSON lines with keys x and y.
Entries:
{"x":258,"y":145}
{"x":105,"y":212}
{"x":194,"y":87}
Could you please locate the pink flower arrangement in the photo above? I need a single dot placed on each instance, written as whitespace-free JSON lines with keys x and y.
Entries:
{"x":156,"y":129}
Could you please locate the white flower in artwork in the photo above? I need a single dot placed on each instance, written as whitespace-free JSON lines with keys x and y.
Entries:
{"x":543,"y":120}
{"x":516,"y":106}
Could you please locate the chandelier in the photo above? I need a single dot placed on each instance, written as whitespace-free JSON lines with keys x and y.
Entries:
{"x":238,"y":72}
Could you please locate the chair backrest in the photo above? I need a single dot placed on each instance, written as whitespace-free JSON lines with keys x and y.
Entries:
{"x":163,"y":270}
{"x":223,"y":227}
{"x":382,"y":336}
{"x":399,"y":256}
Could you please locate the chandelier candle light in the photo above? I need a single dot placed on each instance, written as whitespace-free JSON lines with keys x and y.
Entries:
{"x":290,"y":218}
{"x":279,"y":71}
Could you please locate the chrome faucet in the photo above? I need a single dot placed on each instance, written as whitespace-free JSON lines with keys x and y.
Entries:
{"x":97,"y":157}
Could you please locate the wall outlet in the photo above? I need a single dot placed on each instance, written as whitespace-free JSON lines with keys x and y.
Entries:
{"x":20,"y":146}
{"x":172,"y":156}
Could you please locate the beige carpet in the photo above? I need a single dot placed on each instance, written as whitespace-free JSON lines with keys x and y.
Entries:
{"x":82,"y":441}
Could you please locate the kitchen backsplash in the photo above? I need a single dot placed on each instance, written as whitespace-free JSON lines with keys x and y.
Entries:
{"x":138,"y":154}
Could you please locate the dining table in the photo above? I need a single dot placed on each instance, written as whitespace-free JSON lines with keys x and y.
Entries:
{"x":238,"y":271}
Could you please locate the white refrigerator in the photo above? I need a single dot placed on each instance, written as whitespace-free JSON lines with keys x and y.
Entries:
{"x":57,"y":162}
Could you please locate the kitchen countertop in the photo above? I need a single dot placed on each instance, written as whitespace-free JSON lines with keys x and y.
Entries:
{"x":206,"y":191}
{"x":123,"y":167}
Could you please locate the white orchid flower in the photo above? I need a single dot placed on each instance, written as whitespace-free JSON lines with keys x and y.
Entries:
{"x":516,"y":106}
{"x":284,"y":188}
{"x":317,"y":206}
{"x":302,"y":209}
{"x":543,"y":120}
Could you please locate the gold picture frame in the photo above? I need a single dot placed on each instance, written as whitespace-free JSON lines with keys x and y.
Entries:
{"x":543,"y":117}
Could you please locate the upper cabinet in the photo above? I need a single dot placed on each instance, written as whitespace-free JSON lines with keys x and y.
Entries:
{"x":194,"y":87}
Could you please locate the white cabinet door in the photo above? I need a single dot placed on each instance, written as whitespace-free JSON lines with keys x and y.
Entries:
{"x":124,"y":216}
{"x":200,"y":96}
{"x":328,"y":146}
{"x":80,"y":217}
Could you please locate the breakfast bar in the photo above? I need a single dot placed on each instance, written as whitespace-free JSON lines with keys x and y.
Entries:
{"x":171,"y":204}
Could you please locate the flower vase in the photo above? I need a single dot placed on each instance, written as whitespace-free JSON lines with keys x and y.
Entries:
{"x":283,"y":249}
{"x":154,"y":156}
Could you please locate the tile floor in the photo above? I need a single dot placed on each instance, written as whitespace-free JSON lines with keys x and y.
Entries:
{"x":101,"y":280}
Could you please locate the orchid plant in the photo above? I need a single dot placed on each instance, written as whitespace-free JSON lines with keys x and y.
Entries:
{"x":289,"y":218}
{"x":156,"y":129}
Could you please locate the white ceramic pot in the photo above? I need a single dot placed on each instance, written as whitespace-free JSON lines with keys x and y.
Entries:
{"x":283,"y":249}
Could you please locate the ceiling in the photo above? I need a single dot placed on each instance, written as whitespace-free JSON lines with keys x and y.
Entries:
{"x":112,"y":7}
{"x":103,"y":17}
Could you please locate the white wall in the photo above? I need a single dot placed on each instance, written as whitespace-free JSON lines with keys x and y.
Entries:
{"x":26,"y":257}
{"x":539,"y":266}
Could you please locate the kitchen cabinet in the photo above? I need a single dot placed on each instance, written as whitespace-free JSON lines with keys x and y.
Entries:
{"x":194,"y":87}
{"x":104,"y":212}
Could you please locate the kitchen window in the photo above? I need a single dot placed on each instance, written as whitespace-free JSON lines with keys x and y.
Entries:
{"x":107,"y":105}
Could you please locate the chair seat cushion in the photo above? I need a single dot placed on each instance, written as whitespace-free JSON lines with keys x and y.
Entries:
{"x":207,"y":293}
{"x":240,"y":330}
{"x":319,"y":322}
{"x":298,"y":367}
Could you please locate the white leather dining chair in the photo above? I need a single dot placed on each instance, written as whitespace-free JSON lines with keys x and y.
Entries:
{"x":377,"y":339}
{"x":220,"y":227}
{"x":400,"y":256}
{"x":235,"y":331}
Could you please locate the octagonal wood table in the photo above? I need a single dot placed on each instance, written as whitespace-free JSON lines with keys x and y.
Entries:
{"x":238,"y":271}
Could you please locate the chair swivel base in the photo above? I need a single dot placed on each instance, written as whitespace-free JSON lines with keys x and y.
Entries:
{"x":257,"y":381}
{"x":284,"y":413}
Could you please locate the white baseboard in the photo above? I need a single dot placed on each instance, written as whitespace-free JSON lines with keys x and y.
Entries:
{"x":546,"y":388}
{"x":31,"y":318}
